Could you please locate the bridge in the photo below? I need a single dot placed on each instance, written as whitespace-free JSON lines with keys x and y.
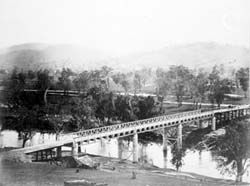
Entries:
{"x":74,"y":140}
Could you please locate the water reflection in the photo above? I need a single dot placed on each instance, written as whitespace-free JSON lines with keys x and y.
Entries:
{"x":196,"y":161}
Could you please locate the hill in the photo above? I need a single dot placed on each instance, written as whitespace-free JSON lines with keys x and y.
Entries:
{"x":196,"y":55}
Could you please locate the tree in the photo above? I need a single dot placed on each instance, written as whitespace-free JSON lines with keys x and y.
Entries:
{"x":44,"y":80}
{"x":14,"y":89}
{"x":178,"y":154}
{"x":180,"y":80}
{"x":23,"y":120}
{"x":106,"y":107}
{"x":163,"y":86}
{"x":199,"y":87}
{"x":121,"y":78}
{"x":123,"y":109}
{"x":137,"y":82}
{"x":64,"y":81}
{"x":146,"y":108}
{"x":232,"y":150}
{"x":82,"y":82}
{"x":243,"y":77}
{"x":83,"y":112}
{"x":218,"y":87}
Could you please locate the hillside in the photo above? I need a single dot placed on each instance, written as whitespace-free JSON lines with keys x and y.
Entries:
{"x":196,"y":55}
{"x":36,"y":56}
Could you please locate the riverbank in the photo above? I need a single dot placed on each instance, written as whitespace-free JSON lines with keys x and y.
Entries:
{"x":112,"y":171}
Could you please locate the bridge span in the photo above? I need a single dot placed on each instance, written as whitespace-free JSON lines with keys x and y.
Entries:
{"x":164,"y":122}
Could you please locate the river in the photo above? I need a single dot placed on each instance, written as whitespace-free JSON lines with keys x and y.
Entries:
{"x":194,"y":161}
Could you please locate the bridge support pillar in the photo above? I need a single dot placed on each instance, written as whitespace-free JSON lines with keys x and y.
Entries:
{"x":74,"y":151}
{"x":120,"y":148}
{"x":236,"y":114}
{"x":241,"y":113}
{"x":165,"y":146}
{"x":179,"y":136}
{"x":230,"y":115}
{"x":59,"y":152}
{"x":248,"y":112}
{"x":244,"y":112}
{"x":213,"y":126}
{"x":36,"y":156}
{"x":135,"y":147}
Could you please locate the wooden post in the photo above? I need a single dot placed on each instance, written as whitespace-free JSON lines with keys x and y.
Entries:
{"x":135,"y":147}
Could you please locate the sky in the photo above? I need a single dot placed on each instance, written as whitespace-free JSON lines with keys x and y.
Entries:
{"x":124,"y":26}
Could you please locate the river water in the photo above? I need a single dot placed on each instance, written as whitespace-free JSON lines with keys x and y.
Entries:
{"x":194,"y":161}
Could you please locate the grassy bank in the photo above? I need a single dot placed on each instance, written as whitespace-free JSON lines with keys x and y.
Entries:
{"x":30,"y":174}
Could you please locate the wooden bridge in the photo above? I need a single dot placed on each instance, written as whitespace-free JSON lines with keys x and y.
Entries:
{"x":164,"y":122}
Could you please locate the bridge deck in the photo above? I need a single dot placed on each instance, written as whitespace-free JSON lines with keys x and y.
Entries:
{"x":130,"y":128}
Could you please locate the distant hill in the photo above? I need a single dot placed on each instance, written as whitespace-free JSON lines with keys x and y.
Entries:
{"x":196,"y":55}
{"x":37,"y":56}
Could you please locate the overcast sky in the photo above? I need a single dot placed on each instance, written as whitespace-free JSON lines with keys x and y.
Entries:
{"x":124,"y":26}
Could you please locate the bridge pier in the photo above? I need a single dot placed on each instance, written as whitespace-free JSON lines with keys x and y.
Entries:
{"x":233,"y":114}
{"x":227,"y":116}
{"x":36,"y":156}
{"x":230,"y":115}
{"x":213,"y":126}
{"x":222,"y":117}
{"x":248,"y":111}
{"x":244,"y":112}
{"x":165,"y":146}
{"x":241,"y":112}
{"x":59,"y":152}
{"x":135,"y":147}
{"x":74,"y":151}
{"x":120,"y":148}
{"x":179,"y":136}
{"x":236,"y":113}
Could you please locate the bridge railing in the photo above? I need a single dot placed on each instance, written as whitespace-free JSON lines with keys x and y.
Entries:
{"x":131,"y":124}
{"x":238,"y":107}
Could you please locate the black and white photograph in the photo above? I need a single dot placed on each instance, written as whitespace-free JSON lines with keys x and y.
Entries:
{"x":124,"y":92}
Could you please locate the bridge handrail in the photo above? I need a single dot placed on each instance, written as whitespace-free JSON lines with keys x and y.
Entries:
{"x":238,"y":107}
{"x":132,"y":124}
